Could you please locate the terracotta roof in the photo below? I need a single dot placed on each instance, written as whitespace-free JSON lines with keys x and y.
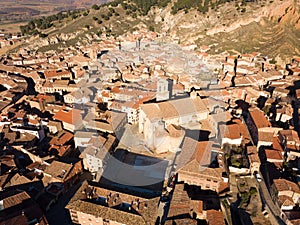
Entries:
{"x":59,"y":149}
{"x":259,"y":118}
{"x":285,"y":200}
{"x":193,"y":150}
{"x":215,"y":217}
{"x":18,"y":180}
{"x":58,"y":170}
{"x":183,"y":221}
{"x":276,"y":144}
{"x":71,"y":116}
{"x":18,"y":203}
{"x":265,"y":136}
{"x":197,"y":206}
{"x":173,"y":108}
{"x":15,"y":199}
{"x":54,"y":73}
{"x":224,"y":186}
{"x":107,"y":204}
{"x":286,"y":185}
{"x":62,"y":138}
{"x":175,"y":131}
{"x":252,"y":154}
{"x":180,"y":204}
{"x":233,"y":131}
{"x":8,"y":160}
{"x":36,"y":165}
{"x":290,"y":135}
{"x":273,"y":154}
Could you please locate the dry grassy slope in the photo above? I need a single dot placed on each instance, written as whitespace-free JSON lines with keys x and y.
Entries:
{"x":271,"y":28}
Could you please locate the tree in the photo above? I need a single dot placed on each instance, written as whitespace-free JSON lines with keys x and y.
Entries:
{"x":31,"y":25}
{"x":112,"y":10}
{"x":151,"y":28}
{"x":273,"y":61}
{"x":42,"y":35}
{"x":99,"y":33}
{"x":95,"y":7}
{"x":24,"y":29}
{"x":114,"y":3}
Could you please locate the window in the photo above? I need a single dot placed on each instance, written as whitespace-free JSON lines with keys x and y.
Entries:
{"x":105,"y":222}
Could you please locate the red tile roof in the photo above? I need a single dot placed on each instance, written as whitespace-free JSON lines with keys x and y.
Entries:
{"x":273,"y":154}
{"x":62,"y":138}
{"x":259,"y":118}
{"x":215,"y":217}
{"x":233,"y":131}
{"x":286,"y":185}
{"x":54,"y":73}
{"x":71,"y":116}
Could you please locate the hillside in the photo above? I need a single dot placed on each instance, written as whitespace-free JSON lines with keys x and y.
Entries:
{"x":270,"y":27}
{"x":24,"y":10}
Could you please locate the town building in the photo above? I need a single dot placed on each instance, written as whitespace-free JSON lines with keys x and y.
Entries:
{"x":154,"y":118}
{"x":192,"y":167}
{"x":18,"y":208}
{"x":97,"y":205}
{"x":256,"y":120}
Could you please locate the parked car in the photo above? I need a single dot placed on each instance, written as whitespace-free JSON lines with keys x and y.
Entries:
{"x":164,"y":198}
{"x":258,"y":177}
{"x":265,"y":213}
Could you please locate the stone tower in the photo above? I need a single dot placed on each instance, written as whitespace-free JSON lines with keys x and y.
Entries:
{"x":164,"y":90}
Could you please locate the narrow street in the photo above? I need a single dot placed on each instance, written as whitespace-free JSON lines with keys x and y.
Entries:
{"x":58,"y":215}
{"x":272,"y":209}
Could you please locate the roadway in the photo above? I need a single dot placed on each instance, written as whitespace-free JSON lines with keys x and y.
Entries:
{"x":272,"y":209}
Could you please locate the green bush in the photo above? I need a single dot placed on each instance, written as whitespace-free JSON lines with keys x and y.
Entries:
{"x":114,"y":4}
{"x":95,"y":7}
{"x":253,"y":191}
{"x":42,"y":35}
{"x":273,"y":61}
{"x":111,"y":10}
{"x":245,"y":197}
{"x":151,"y":28}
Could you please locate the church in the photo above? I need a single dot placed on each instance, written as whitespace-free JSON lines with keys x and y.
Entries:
{"x":161,"y":122}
